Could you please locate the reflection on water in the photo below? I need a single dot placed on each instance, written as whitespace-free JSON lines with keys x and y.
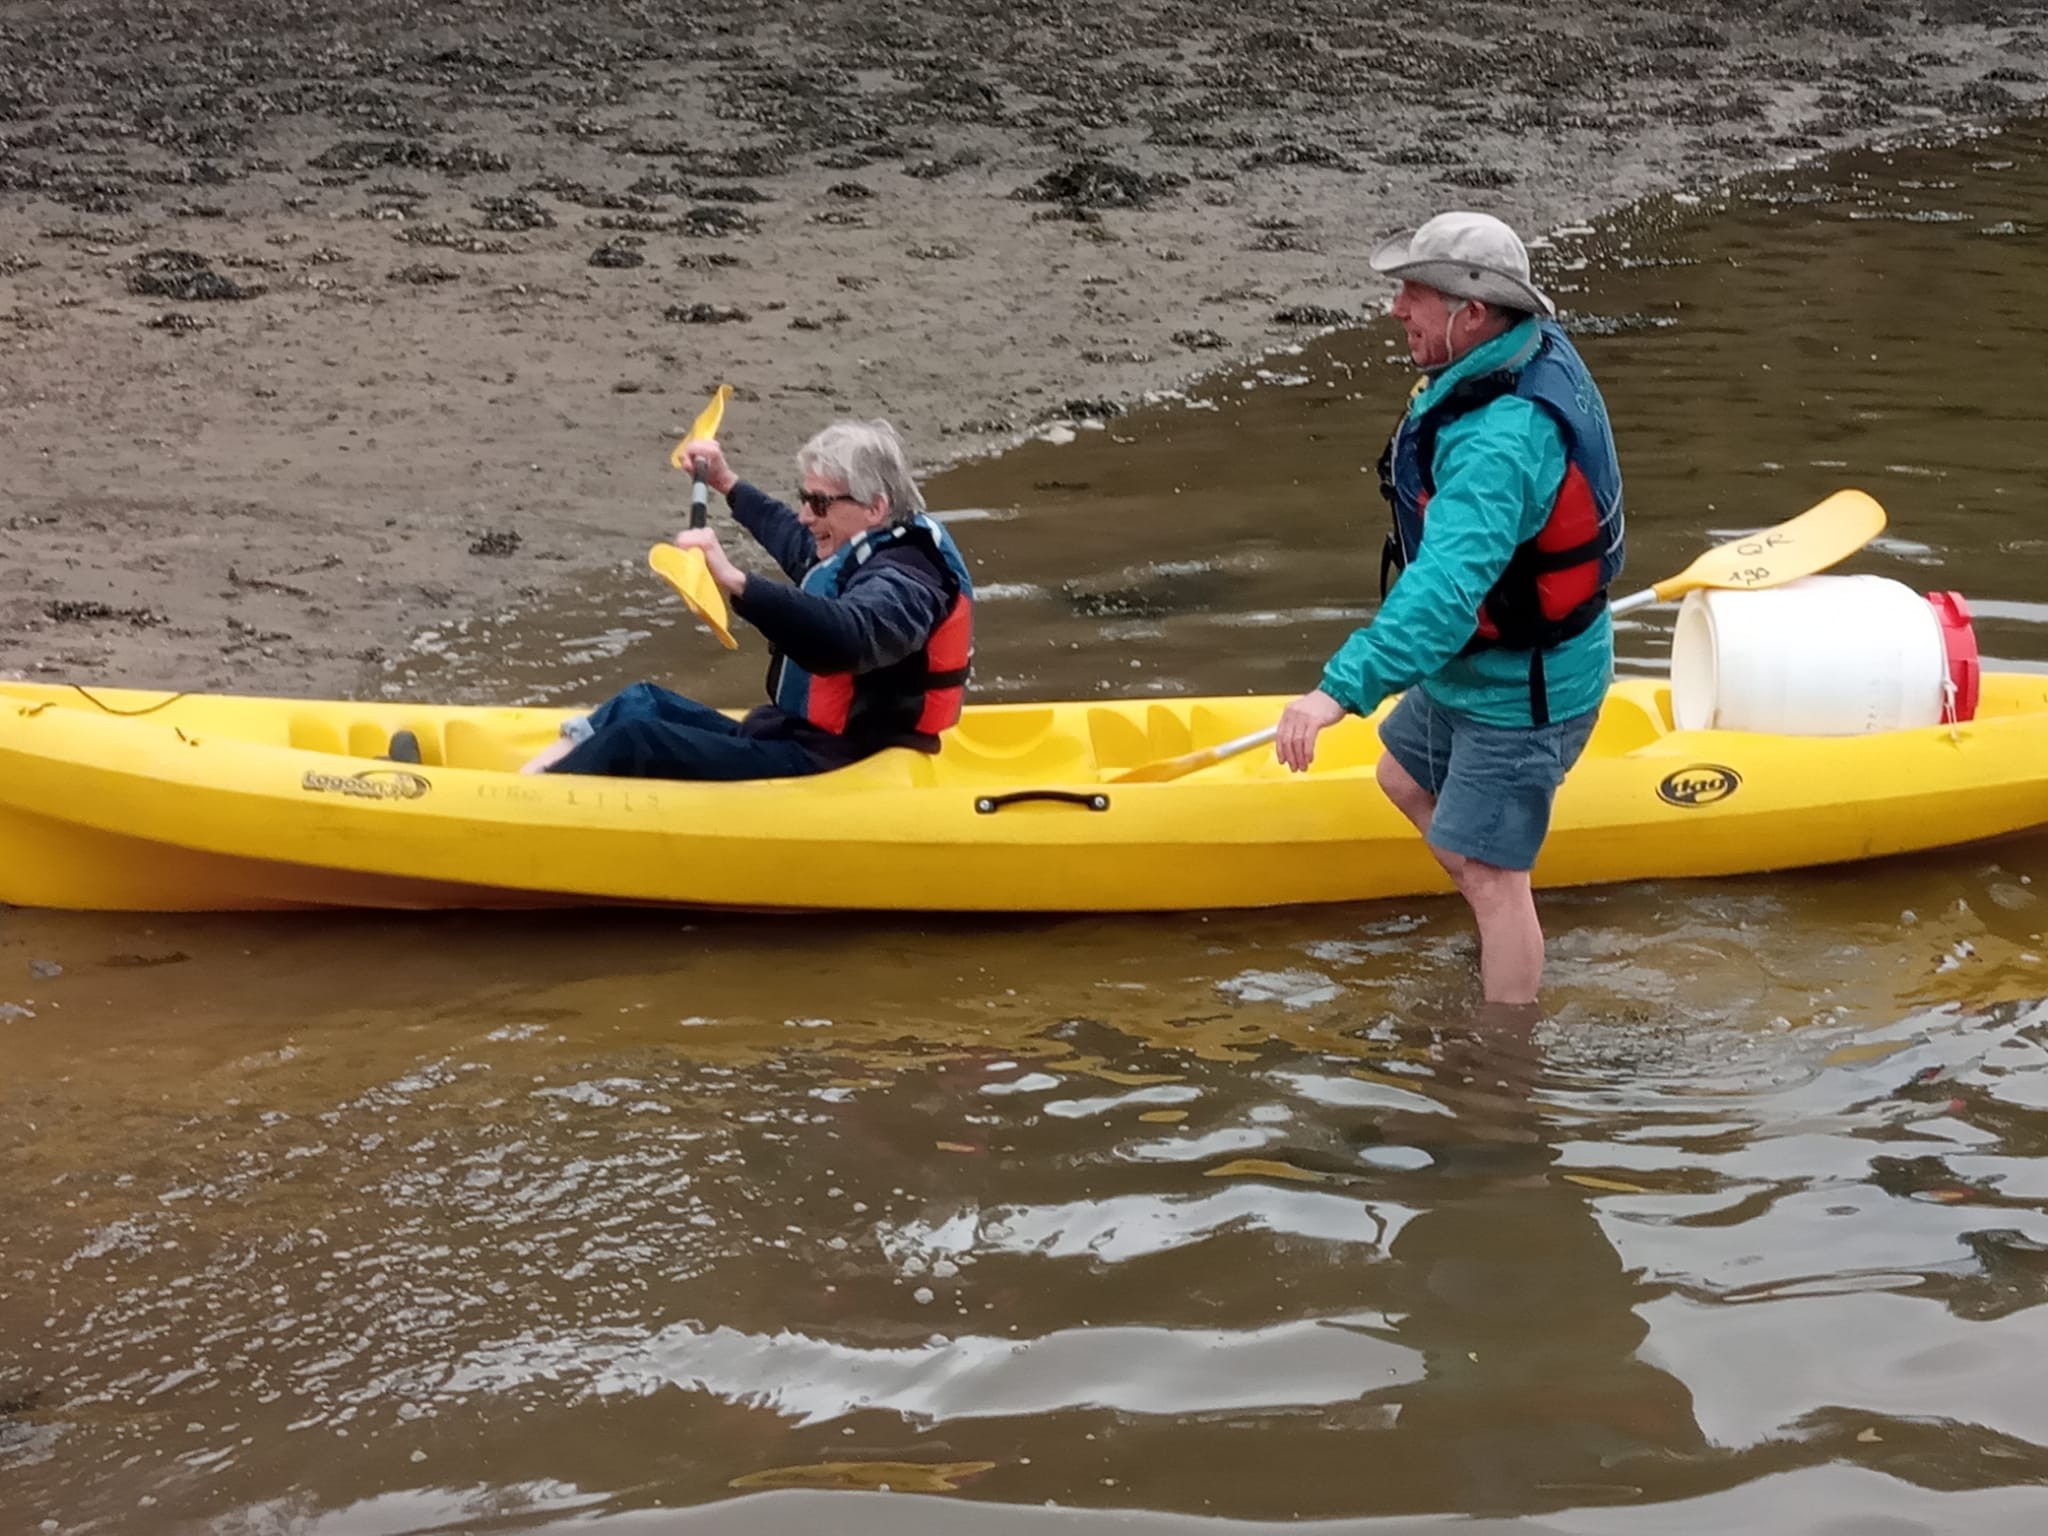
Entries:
{"x":1253,"y":1218}
{"x":393,"y":1224}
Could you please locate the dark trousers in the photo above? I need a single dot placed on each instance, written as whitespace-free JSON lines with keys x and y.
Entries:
{"x":645,"y":732}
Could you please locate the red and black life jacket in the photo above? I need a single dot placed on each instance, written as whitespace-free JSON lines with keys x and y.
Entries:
{"x":911,"y":701}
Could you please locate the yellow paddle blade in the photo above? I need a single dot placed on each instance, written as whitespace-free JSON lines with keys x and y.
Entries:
{"x":706,"y":425}
{"x":1170,"y":768}
{"x":899,"y":1476}
{"x":1817,"y":538}
{"x":685,"y":570}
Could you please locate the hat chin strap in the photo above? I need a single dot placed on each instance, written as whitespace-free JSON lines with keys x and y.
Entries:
{"x":1451,"y":352}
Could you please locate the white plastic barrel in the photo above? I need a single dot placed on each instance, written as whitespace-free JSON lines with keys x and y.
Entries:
{"x":1822,"y":656}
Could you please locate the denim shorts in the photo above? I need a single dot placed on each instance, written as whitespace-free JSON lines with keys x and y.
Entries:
{"x":1493,"y":784}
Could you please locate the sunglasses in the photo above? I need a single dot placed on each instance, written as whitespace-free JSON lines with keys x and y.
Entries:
{"x":817,"y":503}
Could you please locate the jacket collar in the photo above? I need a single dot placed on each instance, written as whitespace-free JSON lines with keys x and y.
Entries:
{"x":1508,"y":351}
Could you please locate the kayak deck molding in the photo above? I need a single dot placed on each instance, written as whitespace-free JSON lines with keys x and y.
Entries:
{"x":116,"y":799}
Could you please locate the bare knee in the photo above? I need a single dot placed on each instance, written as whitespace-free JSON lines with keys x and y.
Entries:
{"x":1404,"y":790}
{"x":1489,"y":889}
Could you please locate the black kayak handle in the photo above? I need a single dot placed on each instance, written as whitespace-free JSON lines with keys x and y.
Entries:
{"x":988,"y":805}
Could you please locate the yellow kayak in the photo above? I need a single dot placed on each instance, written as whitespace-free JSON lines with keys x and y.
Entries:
{"x":123,"y":800}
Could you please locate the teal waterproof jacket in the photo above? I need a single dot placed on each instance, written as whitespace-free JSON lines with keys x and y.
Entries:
{"x":1498,"y":472}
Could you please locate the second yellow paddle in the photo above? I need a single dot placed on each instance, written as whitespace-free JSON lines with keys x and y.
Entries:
{"x":684,"y":569}
{"x":1829,"y":531}
{"x":1824,"y":533}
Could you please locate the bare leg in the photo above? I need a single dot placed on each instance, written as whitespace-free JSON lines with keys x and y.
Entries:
{"x":1409,"y":797}
{"x":548,"y":756}
{"x":1510,"y":937}
{"x":1502,"y":900}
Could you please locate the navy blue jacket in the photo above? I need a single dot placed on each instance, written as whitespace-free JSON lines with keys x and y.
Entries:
{"x":883,"y":616}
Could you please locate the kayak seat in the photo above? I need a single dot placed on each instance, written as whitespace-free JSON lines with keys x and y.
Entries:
{"x":1126,"y":737}
{"x":1118,"y":741}
{"x":315,"y":733}
{"x":1001,"y":746}
{"x":365,"y":738}
{"x":1626,"y":724}
{"x":1132,"y":735}
{"x":310,"y":732}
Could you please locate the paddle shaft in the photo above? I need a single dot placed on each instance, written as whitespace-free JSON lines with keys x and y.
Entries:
{"x":1643,"y":599}
{"x":1189,"y":762}
{"x":1239,"y":744}
{"x":700,"y":496}
{"x":708,"y":421}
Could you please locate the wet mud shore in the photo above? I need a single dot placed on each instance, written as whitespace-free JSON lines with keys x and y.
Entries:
{"x":321,"y":324}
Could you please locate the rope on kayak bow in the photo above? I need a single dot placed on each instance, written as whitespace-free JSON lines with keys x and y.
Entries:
{"x":87,"y":695}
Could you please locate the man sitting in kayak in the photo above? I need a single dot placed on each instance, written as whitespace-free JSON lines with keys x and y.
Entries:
{"x":871,"y":647}
{"x":1498,"y":628}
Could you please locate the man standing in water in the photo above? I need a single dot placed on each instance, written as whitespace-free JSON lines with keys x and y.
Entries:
{"x":1497,"y":629}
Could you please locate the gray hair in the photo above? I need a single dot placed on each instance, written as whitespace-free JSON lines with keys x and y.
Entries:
{"x":867,"y":458}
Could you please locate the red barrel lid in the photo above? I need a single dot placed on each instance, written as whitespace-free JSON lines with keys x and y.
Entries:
{"x":1959,"y":640}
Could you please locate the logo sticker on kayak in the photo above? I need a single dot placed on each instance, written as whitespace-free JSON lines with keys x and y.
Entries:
{"x":1701,"y":784}
{"x":369,"y":784}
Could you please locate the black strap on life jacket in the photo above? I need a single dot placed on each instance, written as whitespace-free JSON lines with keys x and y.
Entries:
{"x":1392,"y":561}
{"x":1465,"y":396}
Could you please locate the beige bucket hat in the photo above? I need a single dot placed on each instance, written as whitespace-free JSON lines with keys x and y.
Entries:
{"x":1468,"y":256}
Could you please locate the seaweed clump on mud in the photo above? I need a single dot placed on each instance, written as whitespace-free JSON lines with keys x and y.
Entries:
{"x":1092,"y":183}
{"x":362,"y":155}
{"x":186,"y":276}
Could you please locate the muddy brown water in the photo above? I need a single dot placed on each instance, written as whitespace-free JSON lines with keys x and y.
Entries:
{"x":640,"y":1222}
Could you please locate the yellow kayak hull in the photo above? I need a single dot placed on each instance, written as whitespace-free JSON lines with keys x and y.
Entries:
{"x":122,"y":800}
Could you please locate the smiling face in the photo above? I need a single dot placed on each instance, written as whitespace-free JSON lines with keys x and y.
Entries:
{"x":833,"y":518}
{"x":1431,"y":322}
